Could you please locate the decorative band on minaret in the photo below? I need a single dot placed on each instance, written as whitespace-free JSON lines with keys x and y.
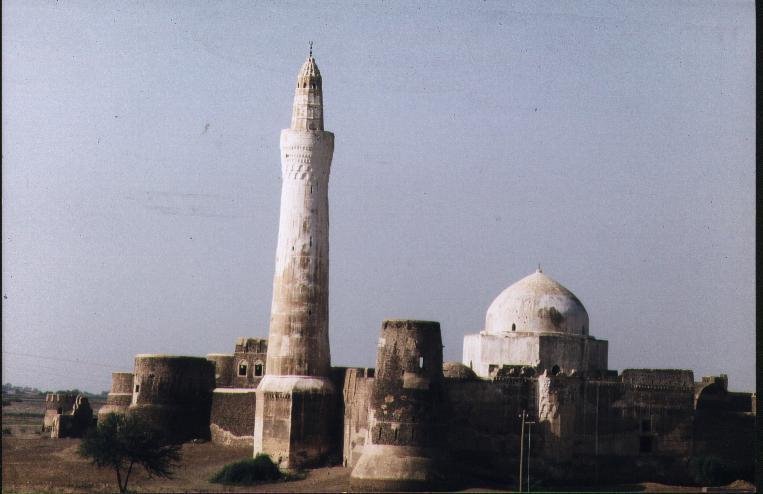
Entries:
{"x":295,"y":397}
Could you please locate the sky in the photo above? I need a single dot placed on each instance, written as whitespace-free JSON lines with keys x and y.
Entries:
{"x":611,"y":142}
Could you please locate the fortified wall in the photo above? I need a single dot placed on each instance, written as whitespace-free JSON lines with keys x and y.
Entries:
{"x":234,"y":397}
{"x":533,"y":387}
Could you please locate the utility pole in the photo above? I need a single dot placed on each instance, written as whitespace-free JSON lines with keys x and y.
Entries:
{"x":529,"y":442}
{"x":522,"y":449}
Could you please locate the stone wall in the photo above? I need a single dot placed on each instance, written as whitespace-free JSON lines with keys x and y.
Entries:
{"x":174,"y":393}
{"x":232,"y":416}
{"x":120,"y":395}
{"x":224,"y":371}
{"x":724,"y":424}
{"x":356,"y":392}
{"x":484,"y":424}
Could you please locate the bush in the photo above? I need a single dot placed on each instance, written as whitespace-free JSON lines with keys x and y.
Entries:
{"x":249,"y":471}
{"x":710,"y":470}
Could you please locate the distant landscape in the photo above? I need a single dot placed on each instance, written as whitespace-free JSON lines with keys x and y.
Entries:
{"x":24,"y":408}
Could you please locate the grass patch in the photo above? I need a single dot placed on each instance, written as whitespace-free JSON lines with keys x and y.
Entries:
{"x":250,"y":471}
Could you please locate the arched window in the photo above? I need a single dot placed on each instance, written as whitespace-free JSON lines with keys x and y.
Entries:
{"x":513,"y":327}
{"x":258,"y":368}
{"x":555,"y":370}
{"x":243,"y":367}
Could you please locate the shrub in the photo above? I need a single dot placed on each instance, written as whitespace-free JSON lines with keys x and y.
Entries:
{"x":249,"y":471}
{"x":710,"y":470}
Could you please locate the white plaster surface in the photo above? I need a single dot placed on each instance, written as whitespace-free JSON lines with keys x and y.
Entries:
{"x":536,"y":303}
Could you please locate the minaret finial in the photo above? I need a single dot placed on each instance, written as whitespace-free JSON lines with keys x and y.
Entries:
{"x":311,"y":49}
{"x":539,"y":269}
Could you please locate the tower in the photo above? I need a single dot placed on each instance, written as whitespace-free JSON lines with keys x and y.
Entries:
{"x":405,"y":414}
{"x":295,"y":399}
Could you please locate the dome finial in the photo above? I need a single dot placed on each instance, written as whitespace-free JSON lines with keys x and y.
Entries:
{"x":539,"y":269}
{"x":311,"y":49}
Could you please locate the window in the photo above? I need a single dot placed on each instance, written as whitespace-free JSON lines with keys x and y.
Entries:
{"x":555,"y":370}
{"x":258,"y":368}
{"x":646,"y":444}
{"x":421,"y":362}
{"x":242,"y":368}
{"x":137,"y":388}
{"x":513,"y":327}
{"x":646,"y":425}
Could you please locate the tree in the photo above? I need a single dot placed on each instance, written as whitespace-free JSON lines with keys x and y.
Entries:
{"x":122,"y":441}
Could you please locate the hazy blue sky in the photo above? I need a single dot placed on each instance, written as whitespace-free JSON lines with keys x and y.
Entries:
{"x":613,"y":142}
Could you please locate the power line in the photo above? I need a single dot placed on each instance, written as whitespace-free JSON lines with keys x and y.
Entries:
{"x":81,"y":362}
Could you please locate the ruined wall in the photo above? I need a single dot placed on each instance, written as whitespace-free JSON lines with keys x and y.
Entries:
{"x":485,"y":421}
{"x":56,"y":404}
{"x":74,"y":422}
{"x":120,"y":395}
{"x":224,"y":364}
{"x":356,"y":392}
{"x":174,"y":393}
{"x":407,"y":410}
{"x":231,"y":421}
{"x":724,"y":424}
{"x":634,"y":427}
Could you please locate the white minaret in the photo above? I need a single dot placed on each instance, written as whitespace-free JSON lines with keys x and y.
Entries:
{"x":295,"y":398}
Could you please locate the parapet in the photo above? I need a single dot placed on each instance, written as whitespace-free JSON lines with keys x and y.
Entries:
{"x":458,"y":371}
{"x":658,"y":378}
{"x":251,"y":345}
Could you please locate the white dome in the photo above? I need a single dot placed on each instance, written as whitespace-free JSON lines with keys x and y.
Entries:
{"x":539,"y":304}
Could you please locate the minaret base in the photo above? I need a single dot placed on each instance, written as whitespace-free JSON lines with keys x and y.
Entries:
{"x":293,"y":420}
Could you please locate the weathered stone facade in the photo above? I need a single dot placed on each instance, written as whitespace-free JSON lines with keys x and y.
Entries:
{"x":119,"y":398}
{"x":534,"y":380}
{"x":174,"y":393}
{"x":406,"y":411}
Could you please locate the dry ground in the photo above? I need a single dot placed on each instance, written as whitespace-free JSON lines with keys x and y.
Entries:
{"x":32,"y":462}
{"x":38,"y":464}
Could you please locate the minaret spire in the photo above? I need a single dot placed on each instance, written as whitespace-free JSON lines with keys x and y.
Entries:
{"x":308,"y":97}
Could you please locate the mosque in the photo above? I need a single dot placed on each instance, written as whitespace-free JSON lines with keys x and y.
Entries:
{"x":533,"y":389}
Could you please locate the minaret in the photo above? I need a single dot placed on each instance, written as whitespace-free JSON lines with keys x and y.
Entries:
{"x":295,"y":399}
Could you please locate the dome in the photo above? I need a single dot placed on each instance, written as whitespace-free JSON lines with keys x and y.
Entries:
{"x":457,"y":370}
{"x":539,"y":304}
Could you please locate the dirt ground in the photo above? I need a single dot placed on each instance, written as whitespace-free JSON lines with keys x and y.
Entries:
{"x":32,"y":462}
{"x":52,"y":465}
{"x":39,"y":464}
